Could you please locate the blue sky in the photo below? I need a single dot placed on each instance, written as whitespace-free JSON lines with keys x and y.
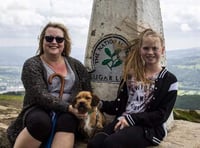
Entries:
{"x":22,"y":20}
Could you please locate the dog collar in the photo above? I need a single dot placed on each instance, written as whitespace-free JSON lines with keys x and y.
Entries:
{"x":90,"y":111}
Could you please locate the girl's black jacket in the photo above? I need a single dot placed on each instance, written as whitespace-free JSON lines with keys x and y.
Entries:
{"x":158,"y":110}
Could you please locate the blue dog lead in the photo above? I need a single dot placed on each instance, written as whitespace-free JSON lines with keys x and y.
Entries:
{"x":49,"y":142}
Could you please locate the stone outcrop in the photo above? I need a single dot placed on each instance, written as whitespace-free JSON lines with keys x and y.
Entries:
{"x":7,"y":114}
{"x":3,"y":139}
{"x":183,"y":134}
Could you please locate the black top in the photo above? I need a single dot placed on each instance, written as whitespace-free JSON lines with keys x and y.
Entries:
{"x":158,"y":110}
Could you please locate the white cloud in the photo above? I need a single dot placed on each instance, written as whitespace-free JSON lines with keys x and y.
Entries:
{"x":181,"y":17}
{"x":23,"y":20}
{"x":181,"y":12}
{"x":13,"y":12}
{"x":185,"y":28}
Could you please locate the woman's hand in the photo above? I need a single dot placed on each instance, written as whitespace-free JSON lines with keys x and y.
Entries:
{"x":74,"y":111}
{"x":121,"y":124}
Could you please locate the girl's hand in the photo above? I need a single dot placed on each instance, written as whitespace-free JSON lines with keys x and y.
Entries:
{"x":74,"y":111}
{"x":121,"y":124}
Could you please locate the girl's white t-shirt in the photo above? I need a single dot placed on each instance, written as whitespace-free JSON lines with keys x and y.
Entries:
{"x":140,"y":94}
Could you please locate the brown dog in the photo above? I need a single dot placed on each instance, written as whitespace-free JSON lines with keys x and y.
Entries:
{"x":86,"y":102}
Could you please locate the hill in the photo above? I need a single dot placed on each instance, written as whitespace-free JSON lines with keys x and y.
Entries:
{"x":191,"y":102}
{"x":185,"y":64}
{"x":15,"y":56}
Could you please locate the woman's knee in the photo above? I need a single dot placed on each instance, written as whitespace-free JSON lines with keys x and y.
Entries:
{"x":67,"y":123}
{"x":38,"y":124}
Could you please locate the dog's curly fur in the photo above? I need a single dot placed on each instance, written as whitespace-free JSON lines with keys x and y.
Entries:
{"x":87,"y":102}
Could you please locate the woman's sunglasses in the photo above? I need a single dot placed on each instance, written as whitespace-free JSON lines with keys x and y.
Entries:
{"x":51,"y":38}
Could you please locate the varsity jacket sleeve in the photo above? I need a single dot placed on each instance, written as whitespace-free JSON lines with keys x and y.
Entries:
{"x":161,"y":106}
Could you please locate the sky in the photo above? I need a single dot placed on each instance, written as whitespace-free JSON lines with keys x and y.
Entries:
{"x":21,"y":21}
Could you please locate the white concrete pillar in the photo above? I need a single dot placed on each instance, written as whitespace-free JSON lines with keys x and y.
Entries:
{"x":113,"y":24}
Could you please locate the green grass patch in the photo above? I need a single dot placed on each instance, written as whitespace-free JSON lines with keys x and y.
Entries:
{"x":189,"y":115}
{"x":11,"y":97}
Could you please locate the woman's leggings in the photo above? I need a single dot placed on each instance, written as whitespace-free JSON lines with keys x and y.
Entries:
{"x":39,"y":123}
{"x":130,"y":137}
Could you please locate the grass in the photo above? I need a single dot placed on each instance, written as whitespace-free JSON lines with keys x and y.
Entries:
{"x":189,"y":115}
{"x":11,"y":97}
{"x":12,"y":100}
{"x":179,"y":114}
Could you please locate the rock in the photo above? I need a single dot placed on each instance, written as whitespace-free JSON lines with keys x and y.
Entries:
{"x":183,"y":134}
{"x":4,"y":143}
{"x":7,"y":114}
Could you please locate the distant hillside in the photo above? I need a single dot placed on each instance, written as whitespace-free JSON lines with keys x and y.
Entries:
{"x":188,"y":102}
{"x":185,"y":64}
{"x":15,"y":56}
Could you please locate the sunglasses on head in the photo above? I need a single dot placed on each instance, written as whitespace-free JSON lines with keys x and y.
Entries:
{"x":51,"y":38}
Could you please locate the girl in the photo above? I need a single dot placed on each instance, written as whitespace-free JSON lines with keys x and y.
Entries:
{"x":145,"y":98}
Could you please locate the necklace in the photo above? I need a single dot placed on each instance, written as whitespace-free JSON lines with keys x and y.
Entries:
{"x":150,"y":75}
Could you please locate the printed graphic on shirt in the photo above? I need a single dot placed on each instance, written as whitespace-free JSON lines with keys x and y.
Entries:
{"x":140,"y":94}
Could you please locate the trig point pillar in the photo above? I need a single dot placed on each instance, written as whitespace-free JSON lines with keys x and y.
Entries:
{"x":113,"y":24}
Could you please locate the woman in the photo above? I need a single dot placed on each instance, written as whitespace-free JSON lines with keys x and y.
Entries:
{"x":144,"y":101}
{"x":42,"y":103}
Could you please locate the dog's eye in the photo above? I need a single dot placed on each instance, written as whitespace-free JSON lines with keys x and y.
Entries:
{"x":78,"y":97}
{"x":87,"y":98}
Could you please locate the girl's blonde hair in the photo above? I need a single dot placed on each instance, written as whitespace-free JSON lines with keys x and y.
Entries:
{"x":134,"y":64}
{"x":67,"y":46}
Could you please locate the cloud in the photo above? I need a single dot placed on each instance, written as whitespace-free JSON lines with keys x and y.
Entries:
{"x":181,"y":23}
{"x":19,"y":14}
{"x":185,"y":28}
{"x":21,"y":22}
{"x":179,"y":12}
{"x":25,"y":19}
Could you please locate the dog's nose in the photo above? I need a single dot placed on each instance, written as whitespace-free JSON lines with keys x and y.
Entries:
{"x":81,"y":103}
{"x":82,"y":107}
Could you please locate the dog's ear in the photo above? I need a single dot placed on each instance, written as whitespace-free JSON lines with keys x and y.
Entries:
{"x":95,"y":100}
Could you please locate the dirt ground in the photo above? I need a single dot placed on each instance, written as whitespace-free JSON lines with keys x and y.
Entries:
{"x":184,"y":133}
{"x":9,"y":110}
